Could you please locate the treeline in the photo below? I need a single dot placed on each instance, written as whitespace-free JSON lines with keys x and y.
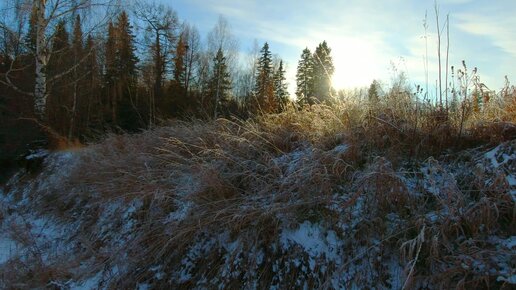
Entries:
{"x":140,"y":69}
{"x":119,"y":80}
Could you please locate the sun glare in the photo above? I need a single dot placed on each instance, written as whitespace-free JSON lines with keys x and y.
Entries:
{"x":356,"y":63}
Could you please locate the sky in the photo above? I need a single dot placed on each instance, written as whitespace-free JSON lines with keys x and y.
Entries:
{"x":370,"y":39}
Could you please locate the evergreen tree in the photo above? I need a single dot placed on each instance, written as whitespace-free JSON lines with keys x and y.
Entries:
{"x":179,"y":64}
{"x":280,"y":87}
{"x":30,"y":38}
{"x":264,"y":88}
{"x":77,"y":77}
{"x":110,"y":74}
{"x":372,"y":93}
{"x":120,"y":74}
{"x":94,"y":117}
{"x":60,"y":46}
{"x":323,"y":72}
{"x":220,"y":84}
{"x":59,"y":99}
{"x":125,"y":49}
{"x":304,"y":78}
{"x":126,"y":61}
{"x":77,"y":43}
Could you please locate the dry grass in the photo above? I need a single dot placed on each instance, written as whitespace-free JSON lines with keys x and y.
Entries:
{"x":190,"y":189}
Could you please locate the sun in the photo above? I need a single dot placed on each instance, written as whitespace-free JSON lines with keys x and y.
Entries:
{"x":355,"y":61}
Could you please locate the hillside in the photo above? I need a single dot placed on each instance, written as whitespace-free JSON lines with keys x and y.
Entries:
{"x":296,"y":200}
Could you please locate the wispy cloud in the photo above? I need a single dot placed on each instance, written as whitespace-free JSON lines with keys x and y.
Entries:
{"x":367,"y":35}
{"x":500,"y":30}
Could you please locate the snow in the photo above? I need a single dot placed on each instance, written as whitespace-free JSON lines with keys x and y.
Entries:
{"x":510,"y":242}
{"x":511,"y":279}
{"x":314,"y":240}
{"x":395,"y":274}
{"x":500,"y":159}
{"x":499,"y":156}
{"x":293,"y":161}
{"x":8,"y":249}
{"x":36,"y":154}
{"x":88,"y":284}
{"x":308,"y":248}
{"x":340,"y":149}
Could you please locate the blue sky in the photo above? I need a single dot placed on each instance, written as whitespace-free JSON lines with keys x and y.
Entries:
{"x":367,"y":36}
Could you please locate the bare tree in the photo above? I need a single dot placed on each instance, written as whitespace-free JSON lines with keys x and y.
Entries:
{"x":161,"y":23}
{"x":220,"y":37}
{"x":46,"y":14}
{"x":193,"y":45}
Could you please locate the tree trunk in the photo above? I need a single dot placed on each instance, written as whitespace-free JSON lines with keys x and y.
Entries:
{"x":42,"y":56}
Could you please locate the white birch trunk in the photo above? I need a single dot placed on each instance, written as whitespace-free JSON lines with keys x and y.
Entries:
{"x":42,"y":56}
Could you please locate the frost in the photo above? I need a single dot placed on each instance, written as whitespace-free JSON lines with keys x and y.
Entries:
{"x":340,"y":149}
{"x":88,"y":284}
{"x":315,"y":241}
{"x":511,"y":279}
{"x":8,"y":249}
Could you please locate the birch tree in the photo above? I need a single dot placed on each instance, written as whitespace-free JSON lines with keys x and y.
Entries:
{"x":44,"y":15}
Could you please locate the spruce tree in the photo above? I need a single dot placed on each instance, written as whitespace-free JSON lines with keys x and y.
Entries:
{"x":126,"y":61}
{"x":304,"y":78}
{"x":94,"y":116}
{"x":179,"y":64}
{"x":280,"y":87}
{"x":323,"y":72}
{"x":220,"y":84}
{"x":125,"y":49}
{"x":59,"y":100}
{"x":77,"y":78}
{"x":372,"y":93}
{"x":264,"y":88}
{"x":110,"y":74}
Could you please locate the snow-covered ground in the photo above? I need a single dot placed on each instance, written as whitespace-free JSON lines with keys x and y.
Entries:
{"x":343,"y":243}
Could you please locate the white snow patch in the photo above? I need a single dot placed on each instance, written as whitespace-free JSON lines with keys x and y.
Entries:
{"x":40,"y":153}
{"x":293,"y":161}
{"x":510,"y":242}
{"x":315,"y":241}
{"x":499,"y":158}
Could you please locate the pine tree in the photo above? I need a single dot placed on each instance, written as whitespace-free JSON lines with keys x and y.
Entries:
{"x":323,"y":72}
{"x":220,"y":84}
{"x":280,"y":87}
{"x":264,"y":88}
{"x":304,"y":78}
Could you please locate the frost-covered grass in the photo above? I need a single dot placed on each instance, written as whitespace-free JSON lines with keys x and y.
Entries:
{"x":304,"y":199}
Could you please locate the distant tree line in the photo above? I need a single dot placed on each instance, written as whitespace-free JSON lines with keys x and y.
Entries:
{"x":135,"y":72}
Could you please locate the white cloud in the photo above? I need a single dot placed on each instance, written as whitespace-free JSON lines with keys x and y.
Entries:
{"x":501,"y":30}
